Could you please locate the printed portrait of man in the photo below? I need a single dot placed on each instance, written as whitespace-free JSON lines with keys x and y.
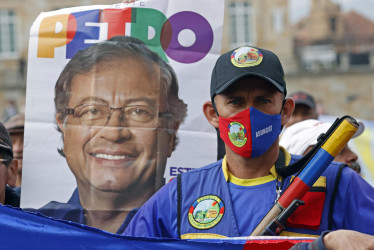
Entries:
{"x":118,"y":112}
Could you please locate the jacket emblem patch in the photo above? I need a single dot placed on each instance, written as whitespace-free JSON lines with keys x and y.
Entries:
{"x":206,"y":212}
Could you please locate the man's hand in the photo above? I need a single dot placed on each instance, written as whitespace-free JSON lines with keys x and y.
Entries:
{"x":348,"y":239}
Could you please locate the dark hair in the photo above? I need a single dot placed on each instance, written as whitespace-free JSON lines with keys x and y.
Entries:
{"x":6,"y":156}
{"x":105,"y":54}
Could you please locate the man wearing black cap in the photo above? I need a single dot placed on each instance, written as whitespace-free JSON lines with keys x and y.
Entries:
{"x":8,"y":170}
{"x":305,"y":108}
{"x":229,"y":198}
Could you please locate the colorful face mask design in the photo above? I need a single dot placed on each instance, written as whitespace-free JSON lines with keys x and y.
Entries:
{"x":250,"y":133}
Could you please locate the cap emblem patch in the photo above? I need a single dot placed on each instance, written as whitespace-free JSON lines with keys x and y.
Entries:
{"x":246,"y":57}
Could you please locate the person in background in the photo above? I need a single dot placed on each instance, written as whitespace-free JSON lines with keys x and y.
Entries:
{"x":10,"y":110}
{"x":301,"y":137}
{"x":15,"y":126}
{"x":8,"y":170}
{"x":305,"y":108}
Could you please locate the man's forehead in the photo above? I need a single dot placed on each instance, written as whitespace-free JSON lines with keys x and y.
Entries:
{"x":119,"y":77}
{"x":300,"y":107}
{"x":251,"y":83}
{"x":18,"y":133}
{"x":124,"y":66}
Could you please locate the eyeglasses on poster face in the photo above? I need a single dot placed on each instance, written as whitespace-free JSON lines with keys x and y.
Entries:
{"x":132,"y":115}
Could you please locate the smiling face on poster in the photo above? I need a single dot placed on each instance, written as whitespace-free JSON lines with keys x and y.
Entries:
{"x":106,"y":117}
{"x":108,"y":148}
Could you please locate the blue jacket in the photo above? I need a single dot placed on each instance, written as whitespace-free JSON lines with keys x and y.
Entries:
{"x":73,"y":211}
{"x":208,"y":210}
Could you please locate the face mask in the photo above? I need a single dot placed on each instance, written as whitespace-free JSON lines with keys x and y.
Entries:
{"x":250,"y":133}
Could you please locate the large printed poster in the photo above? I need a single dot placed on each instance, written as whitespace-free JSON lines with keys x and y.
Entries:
{"x":105,"y":124}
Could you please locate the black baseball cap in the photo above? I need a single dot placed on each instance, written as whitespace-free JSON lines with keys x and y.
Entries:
{"x":5,"y":141}
{"x":246,"y":61}
{"x":301,"y":97}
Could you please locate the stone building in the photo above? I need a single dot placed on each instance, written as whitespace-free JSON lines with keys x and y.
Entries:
{"x":335,"y":51}
{"x":327,"y":53}
{"x":262,"y":23}
{"x":16,"y":18}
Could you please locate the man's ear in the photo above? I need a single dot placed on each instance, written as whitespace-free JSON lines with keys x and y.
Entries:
{"x":210,"y":114}
{"x":60,"y":123}
{"x":173,"y":138}
{"x":288,"y":108}
{"x":12,"y":173}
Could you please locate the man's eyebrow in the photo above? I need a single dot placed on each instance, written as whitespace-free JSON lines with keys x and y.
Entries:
{"x":93,"y":99}
{"x":235,"y":98}
{"x":267,"y":95}
{"x":231,"y":95}
{"x":149,"y":101}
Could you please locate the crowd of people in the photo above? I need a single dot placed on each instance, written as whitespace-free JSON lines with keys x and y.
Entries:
{"x":131,"y":119}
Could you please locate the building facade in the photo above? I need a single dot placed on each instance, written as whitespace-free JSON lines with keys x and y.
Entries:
{"x":16,"y":18}
{"x":328,"y":53}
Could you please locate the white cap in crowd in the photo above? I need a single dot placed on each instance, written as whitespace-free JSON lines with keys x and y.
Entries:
{"x":298,"y":137}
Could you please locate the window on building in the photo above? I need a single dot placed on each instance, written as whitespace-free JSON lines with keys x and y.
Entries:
{"x":242,"y":30}
{"x":333,"y":24}
{"x":278,"y":20}
{"x":359,"y":59}
{"x":8,"y":42}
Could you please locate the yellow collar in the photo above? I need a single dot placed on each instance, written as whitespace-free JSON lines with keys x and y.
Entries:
{"x":255,"y":181}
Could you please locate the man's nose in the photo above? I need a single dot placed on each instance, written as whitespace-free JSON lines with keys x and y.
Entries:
{"x":116,"y":129}
{"x":351,"y":156}
{"x":115,"y":117}
{"x":18,"y":146}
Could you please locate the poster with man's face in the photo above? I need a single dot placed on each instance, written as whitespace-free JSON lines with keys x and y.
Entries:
{"x":105,"y":125}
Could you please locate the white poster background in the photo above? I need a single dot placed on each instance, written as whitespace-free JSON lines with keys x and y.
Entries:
{"x":46,"y":176}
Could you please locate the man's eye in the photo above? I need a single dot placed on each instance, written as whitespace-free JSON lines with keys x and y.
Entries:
{"x":264,"y":100}
{"x":236,"y":101}
{"x":91,"y":112}
{"x":140,"y":114}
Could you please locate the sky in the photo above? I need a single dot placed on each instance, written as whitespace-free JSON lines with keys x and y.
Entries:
{"x":300,"y":8}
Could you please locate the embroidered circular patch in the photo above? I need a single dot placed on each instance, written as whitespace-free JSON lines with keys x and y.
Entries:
{"x":206,"y":212}
{"x":237,"y":134}
{"x":246,"y":57}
